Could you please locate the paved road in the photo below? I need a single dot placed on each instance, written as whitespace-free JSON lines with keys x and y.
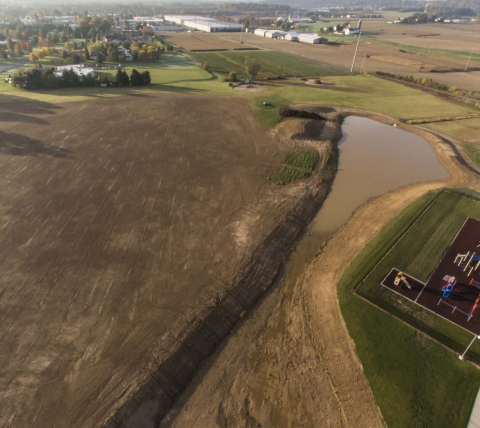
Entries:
{"x":9,"y":67}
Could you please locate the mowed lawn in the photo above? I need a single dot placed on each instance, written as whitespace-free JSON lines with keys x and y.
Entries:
{"x":416,"y":381}
{"x":359,"y":92}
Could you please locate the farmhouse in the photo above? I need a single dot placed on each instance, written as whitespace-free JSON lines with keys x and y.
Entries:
{"x":351,"y":31}
{"x":79,"y":69}
{"x":313,"y":39}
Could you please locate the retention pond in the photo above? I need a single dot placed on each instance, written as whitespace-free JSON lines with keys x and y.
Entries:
{"x":374,"y":159}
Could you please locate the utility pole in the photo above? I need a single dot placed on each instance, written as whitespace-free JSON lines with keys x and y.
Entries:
{"x":424,"y":56}
{"x":358,"y":41}
{"x":361,"y":68}
{"x":471,"y":53}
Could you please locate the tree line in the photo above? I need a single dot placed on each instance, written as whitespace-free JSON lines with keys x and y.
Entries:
{"x":39,"y":78}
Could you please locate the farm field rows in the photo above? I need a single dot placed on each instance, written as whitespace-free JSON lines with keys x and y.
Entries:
{"x":117,"y":215}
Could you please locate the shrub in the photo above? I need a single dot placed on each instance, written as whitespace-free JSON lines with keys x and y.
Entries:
{"x":232,"y":76}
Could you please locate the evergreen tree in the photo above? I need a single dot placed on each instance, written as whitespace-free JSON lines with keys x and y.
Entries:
{"x":146,"y":77}
{"x":125,"y":79}
{"x":136,"y":78}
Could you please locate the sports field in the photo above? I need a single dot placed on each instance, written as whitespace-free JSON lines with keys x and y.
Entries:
{"x":411,"y":376}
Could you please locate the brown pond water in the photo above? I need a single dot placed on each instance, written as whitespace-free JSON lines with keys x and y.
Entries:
{"x":374,"y":159}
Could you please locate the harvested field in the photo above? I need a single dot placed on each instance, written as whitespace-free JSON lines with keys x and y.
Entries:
{"x":197,"y":41}
{"x":397,"y":60}
{"x":119,"y":219}
{"x":454,"y":37}
{"x":341,"y":56}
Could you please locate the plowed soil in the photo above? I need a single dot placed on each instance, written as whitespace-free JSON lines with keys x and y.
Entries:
{"x":116,"y":218}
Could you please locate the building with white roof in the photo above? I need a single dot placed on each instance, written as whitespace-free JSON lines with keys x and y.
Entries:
{"x":313,"y":39}
{"x":209,"y":25}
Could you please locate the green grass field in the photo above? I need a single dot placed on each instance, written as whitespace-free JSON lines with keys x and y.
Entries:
{"x":272,"y":63}
{"x":182,"y":74}
{"x":364,"y":92}
{"x":416,"y":381}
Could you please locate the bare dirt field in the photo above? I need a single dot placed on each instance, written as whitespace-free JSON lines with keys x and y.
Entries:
{"x":464,"y":37}
{"x":117,"y":217}
{"x":292,"y":362}
{"x":197,"y":41}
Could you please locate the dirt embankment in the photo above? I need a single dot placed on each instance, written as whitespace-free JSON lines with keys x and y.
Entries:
{"x":292,"y":362}
{"x":164,"y":381}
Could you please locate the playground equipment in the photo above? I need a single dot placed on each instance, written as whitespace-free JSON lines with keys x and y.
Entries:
{"x":465,"y":261}
{"x":401,"y":278}
{"x":449,"y":286}
{"x":474,"y":283}
{"x":475,"y":305}
{"x":455,"y":308}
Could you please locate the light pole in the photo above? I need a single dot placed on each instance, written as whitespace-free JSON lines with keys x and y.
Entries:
{"x":461,"y":357}
{"x":358,"y":41}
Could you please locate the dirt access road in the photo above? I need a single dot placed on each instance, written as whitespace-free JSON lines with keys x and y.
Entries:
{"x":117,"y":217}
{"x":292,"y":363}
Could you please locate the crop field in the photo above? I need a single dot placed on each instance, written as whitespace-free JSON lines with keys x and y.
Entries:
{"x":273,"y":64}
{"x":116,"y":217}
{"x":411,"y":376}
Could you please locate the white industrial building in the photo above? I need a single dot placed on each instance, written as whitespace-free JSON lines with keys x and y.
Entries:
{"x":260,"y":32}
{"x":313,"y":39}
{"x":291,"y":36}
{"x":202,"y":23}
{"x":274,"y":34}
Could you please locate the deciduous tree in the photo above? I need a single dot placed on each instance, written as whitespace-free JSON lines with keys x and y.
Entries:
{"x":253,"y":67}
